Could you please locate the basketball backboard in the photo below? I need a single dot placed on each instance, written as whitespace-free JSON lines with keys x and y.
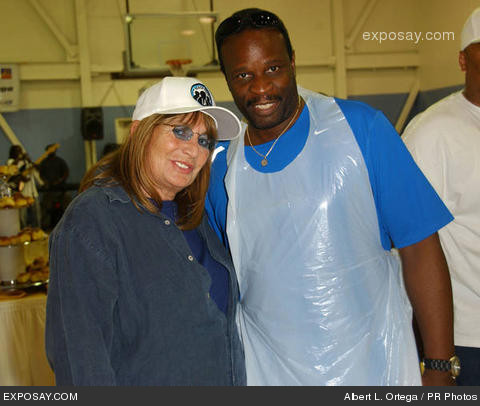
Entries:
{"x":153,"y":39}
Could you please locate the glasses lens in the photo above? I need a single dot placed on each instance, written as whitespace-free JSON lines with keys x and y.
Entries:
{"x":206,"y":142}
{"x":185,"y":133}
{"x":182,"y":132}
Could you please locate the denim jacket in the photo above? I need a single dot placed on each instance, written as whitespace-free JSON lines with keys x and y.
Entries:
{"x":129,"y":305}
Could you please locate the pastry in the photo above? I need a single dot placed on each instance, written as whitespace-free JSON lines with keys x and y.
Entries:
{"x":45,"y":274}
{"x":24,"y":237}
{"x":39,"y":262}
{"x":4,"y":241}
{"x":23,"y":277}
{"x":14,"y":240}
{"x":21,"y":202}
{"x":38,"y":234}
{"x":7,"y":202}
{"x":8,"y":170}
{"x":36,"y":276}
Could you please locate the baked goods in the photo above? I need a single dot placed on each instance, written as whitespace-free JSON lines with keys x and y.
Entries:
{"x":21,"y":202}
{"x":37,"y":234}
{"x":37,"y":264}
{"x":7,"y":202}
{"x":4,"y":241}
{"x":37,"y":271}
{"x":8,"y":170}
{"x":16,"y":245}
{"x":16,"y":201}
{"x":23,"y":278}
{"x":26,"y":235}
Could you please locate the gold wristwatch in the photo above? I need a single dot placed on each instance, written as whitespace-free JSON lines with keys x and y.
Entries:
{"x":452,"y":365}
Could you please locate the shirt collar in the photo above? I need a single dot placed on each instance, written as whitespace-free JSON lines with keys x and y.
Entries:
{"x":117,"y":193}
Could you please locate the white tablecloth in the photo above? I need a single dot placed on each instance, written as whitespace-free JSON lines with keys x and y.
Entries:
{"x":22,"y":345}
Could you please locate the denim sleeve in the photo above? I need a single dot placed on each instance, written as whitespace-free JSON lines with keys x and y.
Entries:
{"x":80,"y":305}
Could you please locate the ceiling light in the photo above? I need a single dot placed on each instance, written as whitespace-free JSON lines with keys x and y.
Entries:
{"x":187,"y":33}
{"x":207,"y":19}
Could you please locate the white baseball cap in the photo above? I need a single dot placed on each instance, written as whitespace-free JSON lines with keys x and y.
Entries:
{"x":471,"y":29}
{"x":179,"y":95}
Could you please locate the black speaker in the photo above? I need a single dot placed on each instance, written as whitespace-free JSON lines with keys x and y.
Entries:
{"x":92,"y":123}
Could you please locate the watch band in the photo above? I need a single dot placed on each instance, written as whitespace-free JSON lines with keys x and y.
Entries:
{"x":452,"y":365}
{"x":437,"y":364}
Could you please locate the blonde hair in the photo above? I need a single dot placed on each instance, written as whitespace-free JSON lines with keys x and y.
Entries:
{"x":128,"y":167}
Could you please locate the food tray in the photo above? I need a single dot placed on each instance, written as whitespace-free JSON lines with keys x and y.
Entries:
{"x":24,"y":286}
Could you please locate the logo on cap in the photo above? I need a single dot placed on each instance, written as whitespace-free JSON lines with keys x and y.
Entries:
{"x":201,"y":94}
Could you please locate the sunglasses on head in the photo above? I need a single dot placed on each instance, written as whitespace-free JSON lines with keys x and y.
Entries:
{"x":258,"y":19}
{"x":185,"y":133}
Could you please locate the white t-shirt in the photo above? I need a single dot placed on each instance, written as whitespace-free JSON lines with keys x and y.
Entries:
{"x":445,"y":142}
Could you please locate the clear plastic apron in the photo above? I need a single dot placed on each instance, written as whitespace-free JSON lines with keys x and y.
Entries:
{"x":322,"y":303}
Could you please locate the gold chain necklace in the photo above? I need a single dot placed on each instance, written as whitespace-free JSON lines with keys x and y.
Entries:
{"x":265,"y":160}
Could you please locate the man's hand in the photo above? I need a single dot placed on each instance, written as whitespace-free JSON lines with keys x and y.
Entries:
{"x":428,"y":285}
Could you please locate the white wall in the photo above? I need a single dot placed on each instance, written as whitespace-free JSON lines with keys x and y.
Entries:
{"x":51,"y":71}
{"x":439,"y":59}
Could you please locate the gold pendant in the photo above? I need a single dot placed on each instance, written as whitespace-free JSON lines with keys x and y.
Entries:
{"x":264,"y":162}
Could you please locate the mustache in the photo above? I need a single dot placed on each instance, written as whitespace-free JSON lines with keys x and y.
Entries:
{"x":263,"y":99}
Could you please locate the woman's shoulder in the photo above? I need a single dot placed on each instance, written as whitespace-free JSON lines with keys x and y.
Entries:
{"x":90,"y":218}
{"x":92,"y":198}
{"x":90,"y":206}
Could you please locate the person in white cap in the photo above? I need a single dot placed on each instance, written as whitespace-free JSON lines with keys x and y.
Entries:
{"x":142,"y":292}
{"x":445,"y":142}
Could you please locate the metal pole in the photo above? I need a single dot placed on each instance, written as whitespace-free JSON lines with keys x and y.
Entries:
{"x":339,"y":49}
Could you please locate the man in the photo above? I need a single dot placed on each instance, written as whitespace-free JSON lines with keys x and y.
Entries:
{"x":308,"y":201}
{"x":445,"y":142}
{"x":54,"y":172}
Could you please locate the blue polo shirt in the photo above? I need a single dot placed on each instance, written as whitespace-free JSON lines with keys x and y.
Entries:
{"x":219,"y":289}
{"x":407,"y":206}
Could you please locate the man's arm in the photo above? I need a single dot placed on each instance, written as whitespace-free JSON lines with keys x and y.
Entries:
{"x":65,"y":172}
{"x":427,"y":281}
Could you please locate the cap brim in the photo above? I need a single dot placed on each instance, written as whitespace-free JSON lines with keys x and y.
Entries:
{"x":228,"y":125}
{"x":473,"y":41}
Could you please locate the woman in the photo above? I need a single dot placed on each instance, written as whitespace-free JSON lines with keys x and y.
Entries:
{"x":141,"y":291}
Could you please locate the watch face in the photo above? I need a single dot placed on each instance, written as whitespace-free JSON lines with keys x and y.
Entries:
{"x":455,"y":362}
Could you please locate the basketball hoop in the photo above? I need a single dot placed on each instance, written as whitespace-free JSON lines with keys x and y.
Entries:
{"x":178,"y":67}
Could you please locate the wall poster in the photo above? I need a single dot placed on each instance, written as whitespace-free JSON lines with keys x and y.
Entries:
{"x":9,"y":87}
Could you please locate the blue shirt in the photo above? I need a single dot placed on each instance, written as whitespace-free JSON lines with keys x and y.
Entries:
{"x":218,"y":273}
{"x":129,"y":305}
{"x":408,"y":208}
